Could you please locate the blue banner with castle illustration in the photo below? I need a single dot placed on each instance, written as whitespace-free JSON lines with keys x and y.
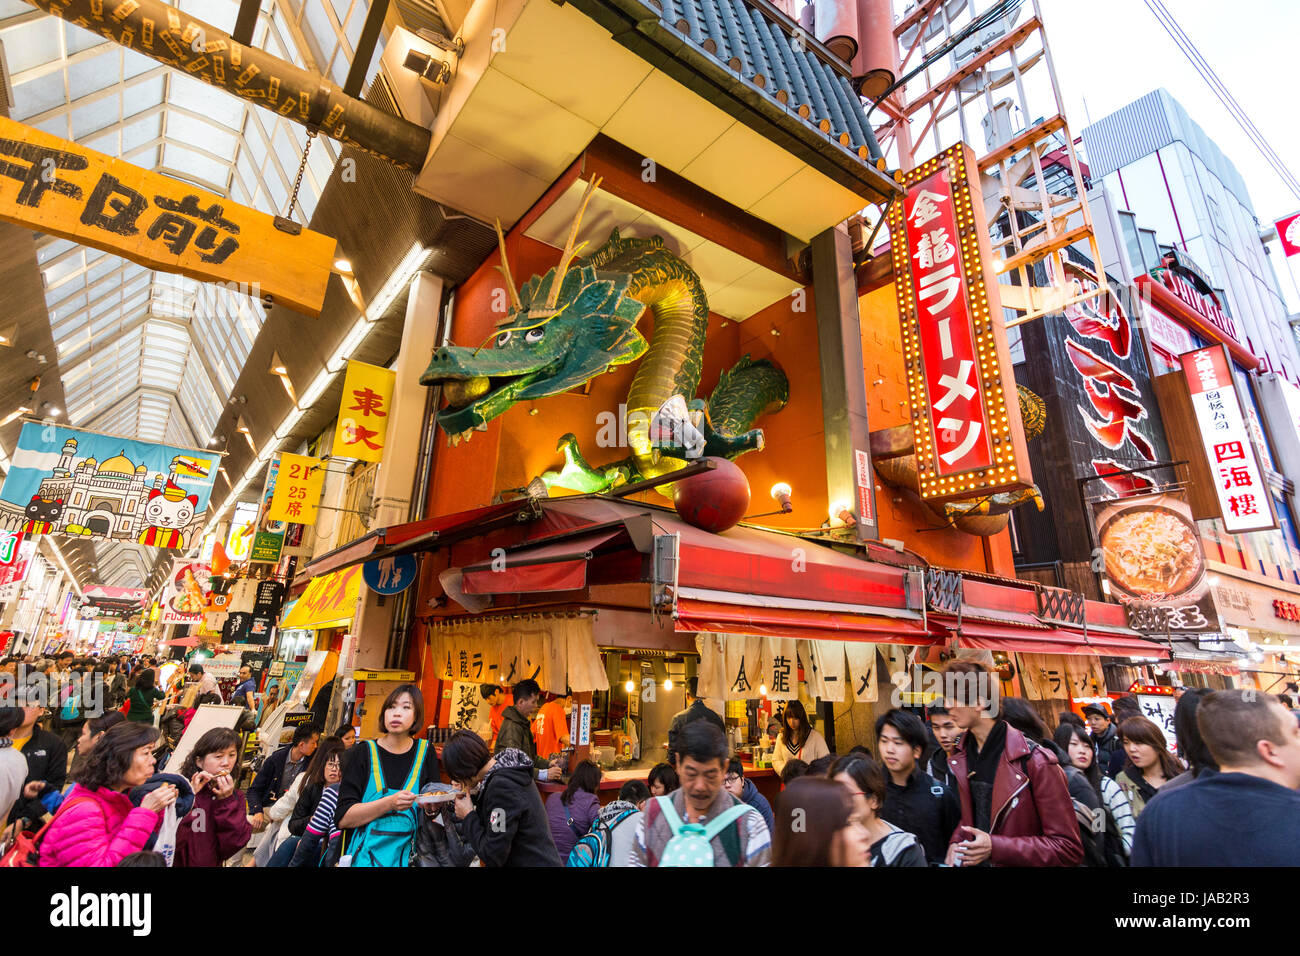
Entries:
{"x":79,"y":484}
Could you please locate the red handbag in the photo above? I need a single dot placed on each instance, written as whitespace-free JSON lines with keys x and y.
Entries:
{"x":26,"y":847}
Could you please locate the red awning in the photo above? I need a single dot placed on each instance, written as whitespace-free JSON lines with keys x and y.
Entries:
{"x":988,"y":636}
{"x":714,"y":617}
{"x":744,"y":560}
{"x":408,"y":538}
{"x":560,"y":565}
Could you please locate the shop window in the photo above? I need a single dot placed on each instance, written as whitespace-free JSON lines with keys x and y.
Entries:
{"x":1150,"y":249}
{"x":356,"y":499}
{"x":1132,"y":244}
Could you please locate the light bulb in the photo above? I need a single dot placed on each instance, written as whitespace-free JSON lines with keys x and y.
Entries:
{"x":781,"y":495}
{"x":762,"y":690}
{"x":629,"y":687}
{"x":668,"y":683}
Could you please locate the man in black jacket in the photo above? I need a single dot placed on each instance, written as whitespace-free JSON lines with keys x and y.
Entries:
{"x":695,"y":710}
{"x":517,"y":733}
{"x":1247,"y":814}
{"x":946,"y":733}
{"x":279,"y":770}
{"x":47,"y":763}
{"x":1105,"y":738}
{"x":506,"y":823}
{"x":915,"y":801}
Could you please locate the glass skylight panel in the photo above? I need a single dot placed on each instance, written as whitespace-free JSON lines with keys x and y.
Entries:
{"x":134,"y":64}
{"x":38,"y":95}
{"x":92,"y":118}
{"x":143,"y":94}
{"x":197,"y":97}
{"x":199,"y":398}
{"x":203,"y":171}
{"x":320,"y":31}
{"x":33,"y":44}
{"x":354,"y":23}
{"x":99,"y":72}
{"x":54,"y":247}
{"x":217,"y":140}
{"x":220,"y":13}
{"x":177,"y":430}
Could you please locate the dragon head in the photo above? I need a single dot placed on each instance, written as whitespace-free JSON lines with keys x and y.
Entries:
{"x":561,"y":330}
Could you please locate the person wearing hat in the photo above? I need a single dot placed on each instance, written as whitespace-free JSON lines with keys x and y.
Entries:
{"x":1105,"y":738}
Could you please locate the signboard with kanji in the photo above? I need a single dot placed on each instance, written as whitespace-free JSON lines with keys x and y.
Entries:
{"x":9,"y":542}
{"x":1245,"y":503}
{"x":297,"y":489}
{"x":329,"y":601}
{"x":363,"y":413}
{"x":61,"y":188}
{"x":965,"y":413}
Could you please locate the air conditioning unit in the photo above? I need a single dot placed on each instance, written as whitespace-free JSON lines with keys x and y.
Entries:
{"x":415,"y":72}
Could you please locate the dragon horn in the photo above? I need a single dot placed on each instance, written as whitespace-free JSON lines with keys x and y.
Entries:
{"x":554,"y":296}
{"x":505,"y":269}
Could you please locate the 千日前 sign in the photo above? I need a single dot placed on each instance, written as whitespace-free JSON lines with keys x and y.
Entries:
{"x":58,"y":187}
{"x":965,"y":414}
{"x":1245,"y":502}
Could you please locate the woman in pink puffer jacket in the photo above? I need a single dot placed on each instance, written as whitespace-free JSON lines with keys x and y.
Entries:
{"x":96,"y":825}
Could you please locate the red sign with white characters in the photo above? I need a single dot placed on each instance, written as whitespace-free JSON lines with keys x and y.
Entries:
{"x":1245,"y":502}
{"x":966,"y":424}
{"x":1288,"y":231}
{"x":948,"y":356}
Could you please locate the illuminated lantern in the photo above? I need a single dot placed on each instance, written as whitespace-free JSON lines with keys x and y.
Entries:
{"x":713,"y":500}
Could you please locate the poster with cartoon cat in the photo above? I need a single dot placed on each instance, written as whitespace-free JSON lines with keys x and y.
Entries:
{"x":80,"y":484}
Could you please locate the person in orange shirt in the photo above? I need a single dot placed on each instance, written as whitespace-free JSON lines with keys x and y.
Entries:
{"x":551,"y":725}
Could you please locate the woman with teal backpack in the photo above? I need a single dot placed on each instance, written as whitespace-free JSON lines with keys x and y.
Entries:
{"x":380,"y":781}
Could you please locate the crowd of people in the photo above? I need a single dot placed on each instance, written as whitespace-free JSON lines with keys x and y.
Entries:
{"x":975,"y":781}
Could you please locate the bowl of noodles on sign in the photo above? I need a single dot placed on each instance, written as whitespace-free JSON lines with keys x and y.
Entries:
{"x":1152,"y":553}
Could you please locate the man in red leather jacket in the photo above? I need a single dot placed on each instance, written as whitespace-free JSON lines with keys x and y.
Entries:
{"x":1015,"y":804}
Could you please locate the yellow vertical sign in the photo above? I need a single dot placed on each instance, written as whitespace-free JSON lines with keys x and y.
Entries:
{"x":362,"y":428}
{"x":297,"y":490}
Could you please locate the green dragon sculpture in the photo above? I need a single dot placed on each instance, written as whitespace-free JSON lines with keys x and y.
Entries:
{"x":579,"y":321}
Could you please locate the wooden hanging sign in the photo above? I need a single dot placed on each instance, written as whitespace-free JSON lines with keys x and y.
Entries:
{"x":58,"y":187}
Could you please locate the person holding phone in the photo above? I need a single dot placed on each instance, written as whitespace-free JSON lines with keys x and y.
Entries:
{"x":1015,"y":805}
{"x":217,"y":827}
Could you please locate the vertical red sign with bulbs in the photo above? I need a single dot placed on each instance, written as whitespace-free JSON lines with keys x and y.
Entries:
{"x":969,"y":438}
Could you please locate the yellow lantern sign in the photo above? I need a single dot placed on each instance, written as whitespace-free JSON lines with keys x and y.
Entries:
{"x":297,"y":490}
{"x":362,"y":428}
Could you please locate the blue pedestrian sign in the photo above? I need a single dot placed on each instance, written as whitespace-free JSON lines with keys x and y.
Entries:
{"x":390,"y":575}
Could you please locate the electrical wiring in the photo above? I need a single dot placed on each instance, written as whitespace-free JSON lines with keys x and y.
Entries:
{"x":1220,"y":90}
{"x":1007,"y":8}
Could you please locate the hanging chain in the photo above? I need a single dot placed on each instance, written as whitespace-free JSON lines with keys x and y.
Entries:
{"x":302,"y":168}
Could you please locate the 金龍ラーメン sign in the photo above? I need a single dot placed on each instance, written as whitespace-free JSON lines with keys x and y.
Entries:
{"x":58,"y":187}
{"x":363,"y":413}
{"x":297,"y":490}
{"x":1245,"y":502}
{"x":965,"y":415}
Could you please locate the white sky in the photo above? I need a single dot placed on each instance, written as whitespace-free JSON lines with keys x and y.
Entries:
{"x":1110,"y":52}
